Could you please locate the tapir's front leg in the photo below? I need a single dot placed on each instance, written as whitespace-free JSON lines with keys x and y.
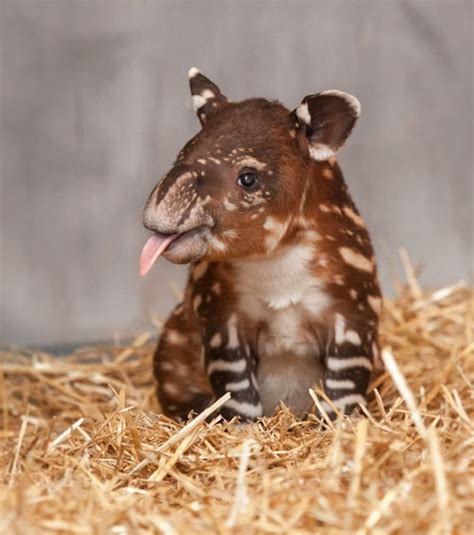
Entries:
{"x":231,"y":368}
{"x":349,"y":358}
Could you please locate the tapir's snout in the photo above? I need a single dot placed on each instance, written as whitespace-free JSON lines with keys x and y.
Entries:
{"x":175,"y":213}
{"x":177,"y":204}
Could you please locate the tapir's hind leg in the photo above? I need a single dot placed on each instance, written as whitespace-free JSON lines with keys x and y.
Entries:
{"x":179,"y":367}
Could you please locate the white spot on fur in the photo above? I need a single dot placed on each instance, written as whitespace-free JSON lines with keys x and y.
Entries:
{"x":339,"y":385}
{"x":375,"y":304}
{"x":328,"y":174}
{"x":249,"y":161}
{"x":180,"y":369}
{"x":229,"y":206}
{"x":233,"y":342}
{"x":198,"y":102}
{"x":254,"y":380}
{"x":311,"y":236}
{"x":335,"y":364}
{"x":302,"y":112}
{"x":216,"y":340}
{"x":193,"y":72}
{"x":171,"y":389}
{"x":341,"y":335}
{"x":353,"y":293}
{"x":166,"y":366}
{"x":353,"y":216}
{"x":202,"y":161}
{"x":197,"y":302}
{"x":236,"y":366}
{"x":174,"y":337}
{"x":355,"y":259}
{"x":343,"y":402}
{"x":353,"y":337}
{"x":231,"y":234}
{"x":208,"y":94}
{"x":237,"y":386}
{"x":276,"y":231}
{"x":214,"y":160}
{"x":216,"y":288}
{"x":244,"y":408}
{"x":339,"y":327}
{"x":303,"y":195}
{"x":257,"y":199}
{"x":218,"y":244}
{"x":324,"y":208}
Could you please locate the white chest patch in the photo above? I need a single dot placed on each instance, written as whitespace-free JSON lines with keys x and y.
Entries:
{"x":281,"y":295}
{"x":281,"y":280}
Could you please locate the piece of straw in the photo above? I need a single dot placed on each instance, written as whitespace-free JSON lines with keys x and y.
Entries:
{"x":402,"y":386}
{"x":241,"y":499}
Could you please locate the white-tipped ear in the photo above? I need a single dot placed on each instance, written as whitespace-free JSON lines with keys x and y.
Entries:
{"x":351,"y":100}
{"x":193,"y":71}
{"x":207,"y":97}
{"x":328,"y":119}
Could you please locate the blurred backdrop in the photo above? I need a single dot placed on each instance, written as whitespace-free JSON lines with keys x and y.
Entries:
{"x":95,"y":106}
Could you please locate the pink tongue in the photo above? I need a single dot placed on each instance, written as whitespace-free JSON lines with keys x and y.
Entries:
{"x":152,"y":249}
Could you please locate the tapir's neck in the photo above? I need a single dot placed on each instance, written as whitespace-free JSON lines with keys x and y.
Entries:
{"x":282,"y":277}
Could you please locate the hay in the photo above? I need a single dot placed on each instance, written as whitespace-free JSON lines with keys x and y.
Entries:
{"x":85,"y":450}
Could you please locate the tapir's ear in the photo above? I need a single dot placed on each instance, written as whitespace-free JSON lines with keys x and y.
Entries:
{"x":207,"y":97}
{"x":327,"y":119}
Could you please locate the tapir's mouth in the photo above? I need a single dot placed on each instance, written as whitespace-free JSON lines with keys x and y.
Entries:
{"x":159,"y":243}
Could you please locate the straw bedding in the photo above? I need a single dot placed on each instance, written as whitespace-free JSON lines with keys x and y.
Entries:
{"x":84,"y":449}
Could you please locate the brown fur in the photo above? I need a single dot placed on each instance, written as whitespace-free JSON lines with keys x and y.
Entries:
{"x":300,"y":223}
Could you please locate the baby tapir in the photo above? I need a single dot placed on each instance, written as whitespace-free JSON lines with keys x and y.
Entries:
{"x":283,"y":291}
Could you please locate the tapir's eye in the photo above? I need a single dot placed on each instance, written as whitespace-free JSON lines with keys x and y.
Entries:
{"x":247,"y":179}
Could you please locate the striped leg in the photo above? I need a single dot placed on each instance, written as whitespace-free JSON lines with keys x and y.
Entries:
{"x":179,"y":368}
{"x":230,"y":367}
{"x":348,"y":366}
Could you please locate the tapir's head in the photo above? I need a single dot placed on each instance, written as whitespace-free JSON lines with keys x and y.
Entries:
{"x":236,"y":185}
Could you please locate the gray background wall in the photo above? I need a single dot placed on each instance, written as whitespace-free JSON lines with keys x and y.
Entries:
{"x":95,"y":105}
